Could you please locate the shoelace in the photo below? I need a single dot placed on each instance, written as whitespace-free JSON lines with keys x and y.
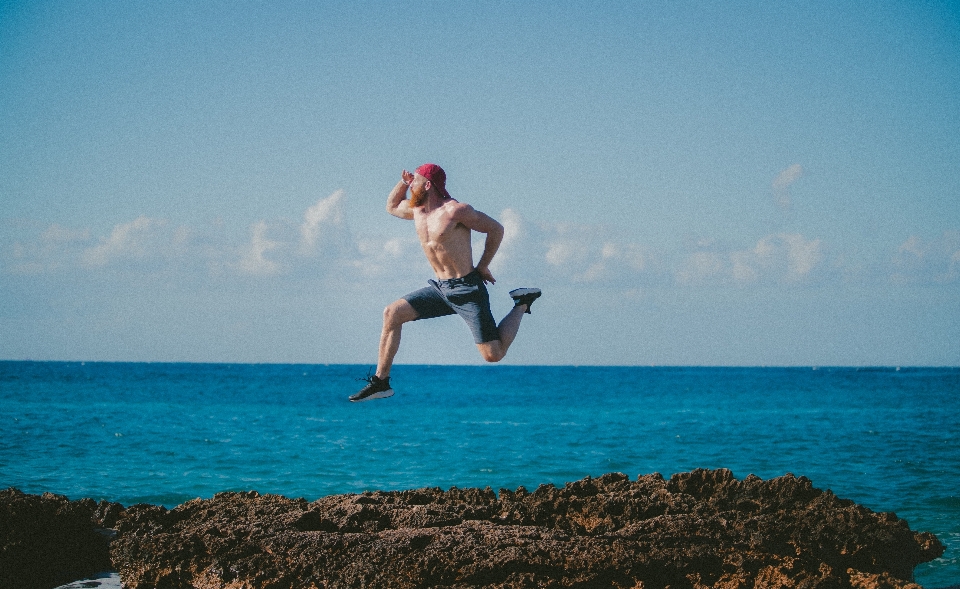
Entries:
{"x":369,"y":378}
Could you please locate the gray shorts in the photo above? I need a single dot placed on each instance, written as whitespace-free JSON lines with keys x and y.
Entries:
{"x":466,"y":296}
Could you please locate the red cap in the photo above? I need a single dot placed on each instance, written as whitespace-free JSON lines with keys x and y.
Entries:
{"x":436,"y":176}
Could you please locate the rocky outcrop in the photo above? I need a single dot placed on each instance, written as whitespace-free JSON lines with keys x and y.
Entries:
{"x":695,"y":530}
{"x":47,"y":540}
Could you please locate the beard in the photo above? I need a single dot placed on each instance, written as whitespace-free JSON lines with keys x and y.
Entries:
{"x":418,"y":199}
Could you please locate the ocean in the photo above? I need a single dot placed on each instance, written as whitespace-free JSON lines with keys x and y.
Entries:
{"x":887,"y":438}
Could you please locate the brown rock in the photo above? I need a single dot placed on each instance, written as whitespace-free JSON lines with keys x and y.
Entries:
{"x":47,"y":540}
{"x":699,"y":529}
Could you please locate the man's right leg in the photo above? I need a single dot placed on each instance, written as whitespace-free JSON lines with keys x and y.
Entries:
{"x":394,"y":316}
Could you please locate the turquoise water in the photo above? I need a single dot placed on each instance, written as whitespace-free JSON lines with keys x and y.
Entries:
{"x":165,"y":433}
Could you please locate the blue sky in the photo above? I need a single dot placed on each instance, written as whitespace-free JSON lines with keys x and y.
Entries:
{"x":739,"y":183}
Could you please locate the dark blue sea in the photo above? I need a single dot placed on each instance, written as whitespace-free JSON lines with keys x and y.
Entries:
{"x":888,"y":438}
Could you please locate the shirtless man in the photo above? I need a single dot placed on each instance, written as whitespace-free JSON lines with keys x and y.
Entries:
{"x":443,"y":226}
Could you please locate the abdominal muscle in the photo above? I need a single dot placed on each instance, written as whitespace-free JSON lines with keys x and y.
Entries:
{"x":450,"y":255}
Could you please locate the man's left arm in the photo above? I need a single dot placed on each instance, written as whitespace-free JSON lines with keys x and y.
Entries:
{"x":483,"y":223}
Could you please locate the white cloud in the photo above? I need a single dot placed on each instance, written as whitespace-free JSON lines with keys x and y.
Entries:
{"x":326,"y":216}
{"x":55,"y":248}
{"x":802,"y":255}
{"x":592,"y":253}
{"x":512,"y":227}
{"x":514,"y":234}
{"x":571,"y":246}
{"x":317,"y":244}
{"x":637,"y":257}
{"x":379,"y":257}
{"x":780,"y":257}
{"x":320,"y":243}
{"x":911,"y":246}
{"x":701,"y":266}
{"x":254,"y":260}
{"x":619,"y":261}
{"x":560,"y":252}
{"x":610,"y":250}
{"x":919,"y":260}
{"x":567,"y":252}
{"x":743,"y":269}
{"x":127,"y":240}
{"x":785,"y":256}
{"x":393,"y":248}
{"x":781,"y":184}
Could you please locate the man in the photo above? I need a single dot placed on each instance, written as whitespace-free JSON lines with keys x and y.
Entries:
{"x":443,"y":225}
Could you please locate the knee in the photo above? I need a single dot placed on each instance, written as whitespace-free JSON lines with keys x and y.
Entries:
{"x":391,"y":315}
{"x":491,"y":354}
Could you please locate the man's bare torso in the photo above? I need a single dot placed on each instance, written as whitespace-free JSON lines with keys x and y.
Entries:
{"x":444,"y":226}
{"x":445,"y":241}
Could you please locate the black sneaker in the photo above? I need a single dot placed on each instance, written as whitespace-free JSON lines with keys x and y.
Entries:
{"x":375,"y":389}
{"x":524,"y":296}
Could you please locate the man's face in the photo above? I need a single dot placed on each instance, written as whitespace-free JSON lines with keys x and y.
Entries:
{"x":418,"y":190}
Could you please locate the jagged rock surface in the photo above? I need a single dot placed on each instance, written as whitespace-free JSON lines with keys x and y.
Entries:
{"x":695,"y":530}
{"x":47,"y":540}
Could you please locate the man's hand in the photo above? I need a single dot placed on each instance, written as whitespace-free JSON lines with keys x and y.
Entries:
{"x":486,"y":275}
{"x":474,"y":220}
{"x":406,"y":177}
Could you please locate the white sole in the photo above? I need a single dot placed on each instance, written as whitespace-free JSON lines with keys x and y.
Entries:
{"x":378,"y":395}
{"x":519,"y":292}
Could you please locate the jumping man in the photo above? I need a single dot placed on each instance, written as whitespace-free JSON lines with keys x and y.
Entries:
{"x":443,"y":225}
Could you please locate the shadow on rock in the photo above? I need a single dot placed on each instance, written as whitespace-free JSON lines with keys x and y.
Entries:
{"x":47,"y":540}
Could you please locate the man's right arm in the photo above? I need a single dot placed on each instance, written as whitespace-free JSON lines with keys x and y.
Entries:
{"x":397,"y":204}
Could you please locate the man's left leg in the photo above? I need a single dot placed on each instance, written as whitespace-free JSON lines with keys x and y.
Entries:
{"x":495,"y":350}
